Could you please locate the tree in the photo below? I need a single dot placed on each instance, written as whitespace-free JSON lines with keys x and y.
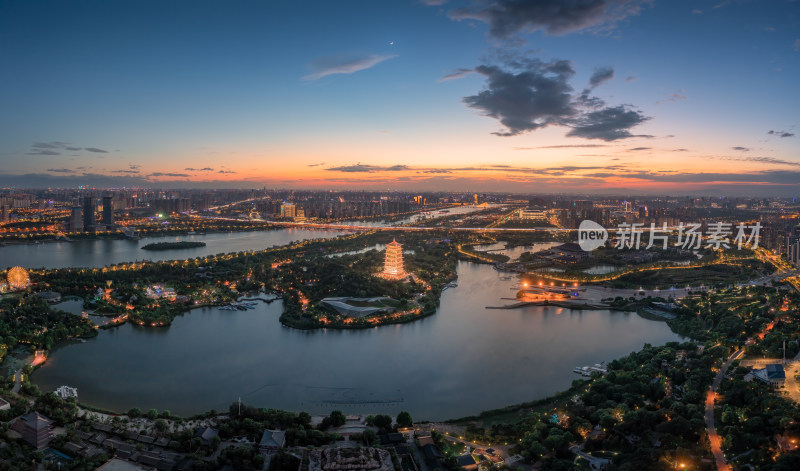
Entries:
{"x":161,"y":425}
{"x":337,"y":418}
{"x":383,"y":422}
{"x":152,"y":414}
{"x":134,"y":413}
{"x":404,"y":419}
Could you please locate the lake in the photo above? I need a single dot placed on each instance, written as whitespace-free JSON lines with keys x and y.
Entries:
{"x":101,"y":252}
{"x":460,"y":361}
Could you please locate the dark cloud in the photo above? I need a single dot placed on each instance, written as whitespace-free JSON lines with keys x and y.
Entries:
{"x":50,"y":145}
{"x":781,"y":133}
{"x":226,"y":171}
{"x":168,"y":174}
{"x":531,"y":99}
{"x":51,"y":148}
{"x":600,"y":76}
{"x":437,"y":170}
{"x":456,"y":74}
{"x":433,"y":3}
{"x":640,"y":148}
{"x":364,"y":168}
{"x":60,"y":170}
{"x":509,"y":17}
{"x":129,"y":172}
{"x":743,"y":149}
{"x":608,"y":124}
{"x":343,"y":64}
{"x":204,"y":169}
{"x":316,"y":165}
{"x":680,"y":150}
{"x":527,"y":94}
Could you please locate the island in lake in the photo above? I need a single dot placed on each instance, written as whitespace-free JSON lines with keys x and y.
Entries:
{"x":173,"y":245}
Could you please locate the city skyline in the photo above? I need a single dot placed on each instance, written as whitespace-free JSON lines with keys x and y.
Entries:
{"x":602,"y":96}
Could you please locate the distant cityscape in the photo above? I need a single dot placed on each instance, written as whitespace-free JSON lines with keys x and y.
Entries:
{"x":38,"y":214}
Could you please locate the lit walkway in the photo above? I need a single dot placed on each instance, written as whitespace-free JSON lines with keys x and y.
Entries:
{"x":713,"y":437}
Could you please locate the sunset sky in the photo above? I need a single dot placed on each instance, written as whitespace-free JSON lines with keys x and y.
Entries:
{"x":607,"y":96}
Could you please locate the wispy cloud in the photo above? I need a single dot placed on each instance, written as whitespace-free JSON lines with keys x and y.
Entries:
{"x":741,"y":149}
{"x":167,"y":174}
{"x":365,"y":168}
{"x":673,"y":97}
{"x":56,"y":148}
{"x":781,"y":133}
{"x":763,"y":160}
{"x":456,"y":74}
{"x":61,"y":170}
{"x":43,"y":152}
{"x":343,"y":64}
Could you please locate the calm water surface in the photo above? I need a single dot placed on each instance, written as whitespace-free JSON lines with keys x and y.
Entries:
{"x":102,"y":252}
{"x":458,"y":362}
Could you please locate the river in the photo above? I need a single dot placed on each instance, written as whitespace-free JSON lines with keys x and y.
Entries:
{"x":460,"y":361}
{"x":96,"y":253}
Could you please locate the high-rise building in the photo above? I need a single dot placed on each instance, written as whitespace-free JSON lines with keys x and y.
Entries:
{"x":108,"y":211}
{"x":288,"y":210}
{"x":793,"y":250}
{"x":75,"y":220}
{"x":393,"y":265}
{"x":4,"y":213}
{"x":88,"y":213}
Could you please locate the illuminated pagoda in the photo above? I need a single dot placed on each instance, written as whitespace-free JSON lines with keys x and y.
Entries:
{"x":393,"y":265}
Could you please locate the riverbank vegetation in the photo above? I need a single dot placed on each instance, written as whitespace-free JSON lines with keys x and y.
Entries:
{"x":184,"y":244}
{"x":29,"y":320}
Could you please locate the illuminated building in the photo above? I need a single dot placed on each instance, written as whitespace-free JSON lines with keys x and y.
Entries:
{"x":288,"y":210}
{"x":393,"y":264}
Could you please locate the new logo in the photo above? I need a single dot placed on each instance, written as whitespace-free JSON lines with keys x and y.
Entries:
{"x":591,"y":235}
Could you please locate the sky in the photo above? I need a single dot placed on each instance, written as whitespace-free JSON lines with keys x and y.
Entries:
{"x":537,"y":96}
